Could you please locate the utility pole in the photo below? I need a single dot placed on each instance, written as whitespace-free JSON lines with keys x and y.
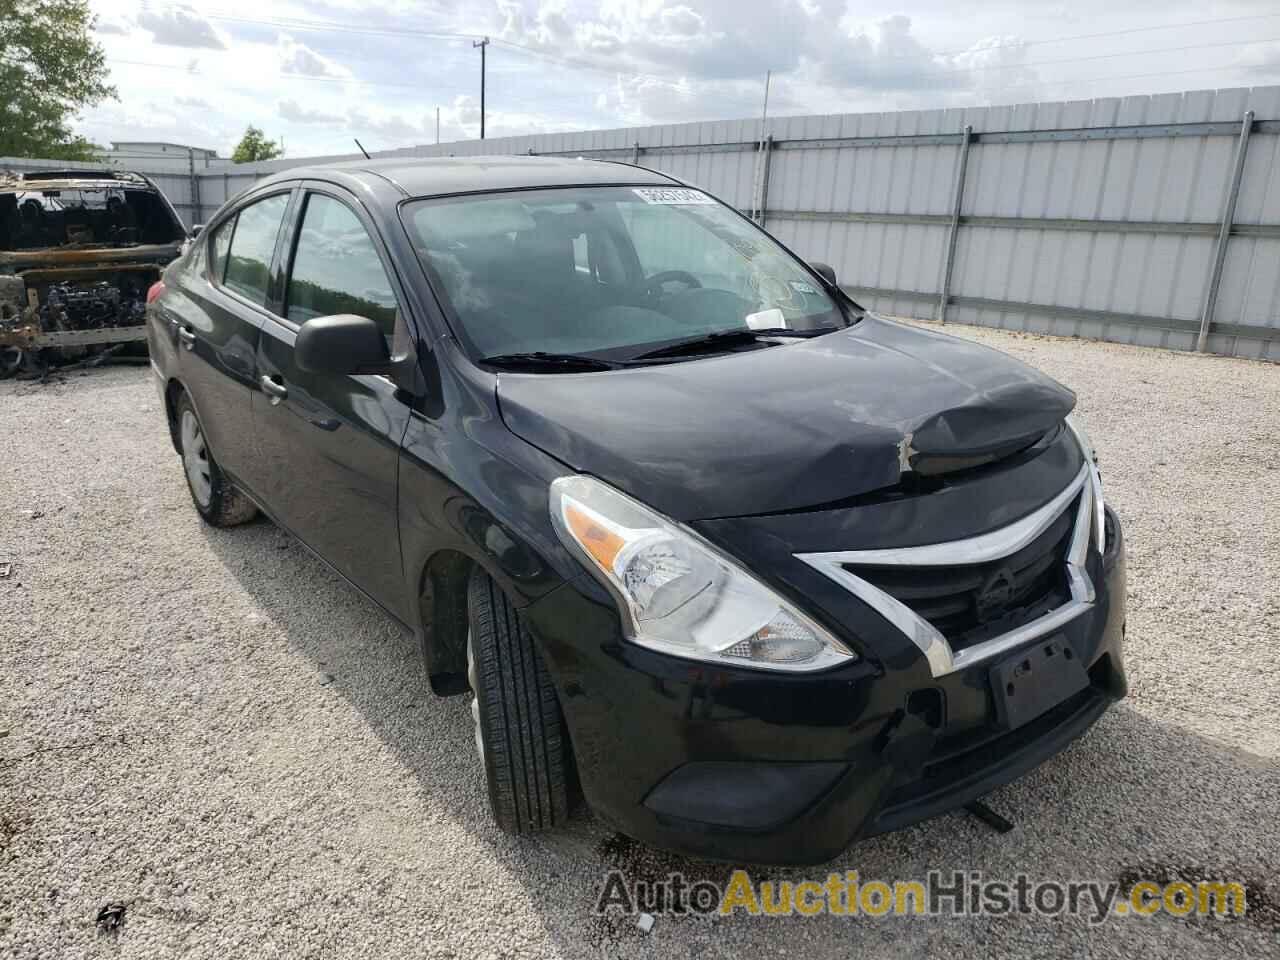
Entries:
{"x":757,"y":212}
{"x":481,"y":44}
{"x":437,"y":126}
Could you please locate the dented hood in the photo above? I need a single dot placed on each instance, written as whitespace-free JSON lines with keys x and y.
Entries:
{"x":787,"y":427}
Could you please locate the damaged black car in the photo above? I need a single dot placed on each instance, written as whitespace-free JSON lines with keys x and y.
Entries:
{"x":752,"y":570}
{"x":78,"y":251}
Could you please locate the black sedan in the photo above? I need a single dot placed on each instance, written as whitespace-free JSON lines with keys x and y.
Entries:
{"x":752,"y":570}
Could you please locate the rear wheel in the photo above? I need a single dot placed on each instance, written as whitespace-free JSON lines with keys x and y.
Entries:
{"x":218,"y":502}
{"x":11,"y":358}
{"x":520,"y":733}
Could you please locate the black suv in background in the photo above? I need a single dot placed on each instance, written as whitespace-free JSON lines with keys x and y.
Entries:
{"x":756,"y":571}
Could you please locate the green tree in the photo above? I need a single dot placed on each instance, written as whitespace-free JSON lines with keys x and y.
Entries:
{"x":50,"y":69}
{"x":254,"y":145}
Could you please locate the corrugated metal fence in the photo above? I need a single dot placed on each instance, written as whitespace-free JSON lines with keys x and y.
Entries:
{"x":1151,"y":220}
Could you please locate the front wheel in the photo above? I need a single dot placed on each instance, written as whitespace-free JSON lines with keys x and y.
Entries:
{"x":520,"y":733}
{"x":219,"y":503}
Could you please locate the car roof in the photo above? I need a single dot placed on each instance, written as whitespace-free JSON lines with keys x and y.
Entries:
{"x":441,"y":176}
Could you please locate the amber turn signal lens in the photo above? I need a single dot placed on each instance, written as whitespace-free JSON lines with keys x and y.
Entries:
{"x":603,"y":544}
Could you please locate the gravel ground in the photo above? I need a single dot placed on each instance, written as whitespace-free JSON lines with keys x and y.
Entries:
{"x":209,"y":728}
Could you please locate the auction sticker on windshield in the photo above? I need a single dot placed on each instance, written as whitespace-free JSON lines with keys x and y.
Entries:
{"x":670,"y":195}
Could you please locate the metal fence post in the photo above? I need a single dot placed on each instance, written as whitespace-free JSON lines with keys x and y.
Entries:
{"x":1224,"y":233}
{"x":764,"y":177}
{"x":953,"y":229}
{"x":196,"y":212}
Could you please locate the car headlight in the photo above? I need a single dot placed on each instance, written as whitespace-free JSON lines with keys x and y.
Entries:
{"x":677,"y":593}
{"x":1091,"y":456}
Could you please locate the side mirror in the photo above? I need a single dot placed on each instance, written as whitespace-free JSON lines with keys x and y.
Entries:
{"x":197,"y":230}
{"x":826,"y":271}
{"x":341,"y":344}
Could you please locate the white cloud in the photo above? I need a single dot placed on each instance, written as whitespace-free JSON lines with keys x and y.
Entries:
{"x":997,"y":63}
{"x":885,"y":56}
{"x":294,"y":112}
{"x":681,"y":21}
{"x":112,"y":25}
{"x":180,"y":27}
{"x":1261,"y":59}
{"x":460,"y":120}
{"x":596,"y":38}
{"x":392,"y":128}
{"x":298,"y":58}
{"x":638,"y":98}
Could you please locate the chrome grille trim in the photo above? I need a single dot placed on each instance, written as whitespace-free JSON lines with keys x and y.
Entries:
{"x":981,"y":549}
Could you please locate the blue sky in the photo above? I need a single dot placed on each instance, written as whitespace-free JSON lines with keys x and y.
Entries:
{"x":319,"y":72}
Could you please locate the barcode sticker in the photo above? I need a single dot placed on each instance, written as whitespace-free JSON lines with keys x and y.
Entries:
{"x":670,"y":195}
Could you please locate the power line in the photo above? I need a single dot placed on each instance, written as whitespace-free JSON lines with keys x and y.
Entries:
{"x":322,"y":26}
{"x":327,"y":25}
{"x":529,"y":102}
{"x":1009,"y":86}
{"x":297,"y":23}
{"x":1112,"y":56}
{"x":311,"y":78}
{"x":1129,"y":76}
{"x":1108,"y":33}
{"x":181,"y":68}
{"x":976,"y":69}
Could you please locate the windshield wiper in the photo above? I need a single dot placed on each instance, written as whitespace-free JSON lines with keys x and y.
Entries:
{"x":539,"y":359}
{"x":712,"y":342}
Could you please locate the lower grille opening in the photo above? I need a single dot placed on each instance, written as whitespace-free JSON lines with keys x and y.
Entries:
{"x":970,"y":754}
{"x":972,"y":603}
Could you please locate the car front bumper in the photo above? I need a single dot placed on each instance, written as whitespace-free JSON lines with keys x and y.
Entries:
{"x":759,"y":767}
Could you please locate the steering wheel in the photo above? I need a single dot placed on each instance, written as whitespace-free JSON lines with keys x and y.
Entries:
{"x":653,"y":285}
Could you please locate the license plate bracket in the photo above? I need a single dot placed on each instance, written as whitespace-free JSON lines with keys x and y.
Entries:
{"x":1035,"y":680}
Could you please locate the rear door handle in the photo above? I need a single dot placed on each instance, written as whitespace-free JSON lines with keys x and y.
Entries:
{"x":275,"y":390}
{"x":188,"y":337}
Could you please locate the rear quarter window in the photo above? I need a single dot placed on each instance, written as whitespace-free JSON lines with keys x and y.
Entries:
{"x":219,"y":246}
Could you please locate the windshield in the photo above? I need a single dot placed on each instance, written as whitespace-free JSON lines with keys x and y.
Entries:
{"x":608,"y":272}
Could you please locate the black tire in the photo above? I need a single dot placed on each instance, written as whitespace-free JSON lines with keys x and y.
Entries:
{"x":11,"y":361}
{"x":527,"y":758}
{"x":221,"y":505}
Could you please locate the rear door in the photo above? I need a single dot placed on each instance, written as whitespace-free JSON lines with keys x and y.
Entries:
{"x":331,"y":444}
{"x":217,"y":320}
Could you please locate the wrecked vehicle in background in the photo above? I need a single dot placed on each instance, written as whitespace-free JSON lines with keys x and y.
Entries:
{"x":78,"y":251}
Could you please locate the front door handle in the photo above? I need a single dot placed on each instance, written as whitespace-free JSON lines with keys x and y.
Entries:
{"x":274,"y":389}
{"x":188,"y":337}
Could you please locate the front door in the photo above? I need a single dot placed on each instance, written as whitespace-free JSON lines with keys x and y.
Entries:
{"x":330,"y":445}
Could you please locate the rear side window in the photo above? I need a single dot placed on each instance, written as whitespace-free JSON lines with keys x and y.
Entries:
{"x":248,"y":269}
{"x":221,"y":244}
{"x":336,"y":269}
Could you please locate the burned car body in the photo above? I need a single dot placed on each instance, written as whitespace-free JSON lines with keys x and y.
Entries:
{"x":78,"y":250}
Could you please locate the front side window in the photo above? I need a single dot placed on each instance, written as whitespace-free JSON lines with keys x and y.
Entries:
{"x":336,"y":269}
{"x":608,"y":271}
{"x":248,"y":270}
